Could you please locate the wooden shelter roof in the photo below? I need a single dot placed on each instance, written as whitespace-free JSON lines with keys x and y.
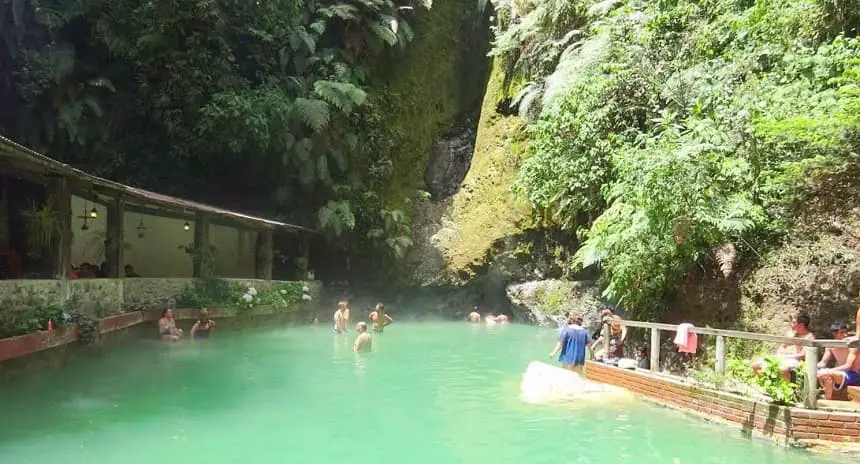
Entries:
{"x":16,"y":157}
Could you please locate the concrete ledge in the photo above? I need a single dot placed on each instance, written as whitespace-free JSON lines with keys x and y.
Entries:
{"x":778,"y":422}
{"x":183,"y":314}
{"x":22,"y":345}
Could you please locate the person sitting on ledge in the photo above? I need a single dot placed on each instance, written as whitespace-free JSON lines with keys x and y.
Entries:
{"x":167,"y":327}
{"x":617,"y":335}
{"x":203,"y":326}
{"x":790,"y":355}
{"x":845,"y":373}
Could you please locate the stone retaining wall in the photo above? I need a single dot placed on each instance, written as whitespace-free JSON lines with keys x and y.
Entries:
{"x":778,"y":422}
{"x":105,"y":297}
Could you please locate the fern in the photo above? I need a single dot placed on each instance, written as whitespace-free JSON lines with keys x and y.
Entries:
{"x":343,"y":96}
{"x":725,"y":256}
{"x":336,"y":217}
{"x":312,"y":112}
{"x":343,"y":11}
{"x":382,"y":32}
{"x":309,"y":41}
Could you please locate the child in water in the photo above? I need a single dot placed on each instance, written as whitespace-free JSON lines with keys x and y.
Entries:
{"x":363,"y":341}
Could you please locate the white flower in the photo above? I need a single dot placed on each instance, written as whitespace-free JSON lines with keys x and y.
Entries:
{"x":247,"y":297}
{"x":306,"y":289}
{"x":283,"y":292}
{"x":306,"y":297}
{"x":252,"y":291}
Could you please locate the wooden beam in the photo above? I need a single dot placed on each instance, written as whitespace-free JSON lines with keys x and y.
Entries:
{"x":62,"y":205}
{"x":264,"y":254}
{"x":202,"y":266}
{"x":115,"y":238}
{"x":149,"y":211}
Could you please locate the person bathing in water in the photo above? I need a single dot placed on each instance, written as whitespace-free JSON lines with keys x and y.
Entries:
{"x":379,"y":319}
{"x":167,"y":327}
{"x":341,"y":317}
{"x":571,"y":345}
{"x":474,"y":316}
{"x":363,"y":342}
{"x":203,"y":326}
{"x":493,"y":318}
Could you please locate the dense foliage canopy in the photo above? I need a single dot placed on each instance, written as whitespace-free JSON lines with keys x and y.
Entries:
{"x":264,"y":106}
{"x":673,"y":134}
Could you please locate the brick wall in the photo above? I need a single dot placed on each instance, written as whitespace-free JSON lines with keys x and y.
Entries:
{"x":775,"y":421}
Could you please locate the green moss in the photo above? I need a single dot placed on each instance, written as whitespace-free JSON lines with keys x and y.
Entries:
{"x":485,"y":209}
{"x":427,"y":89}
{"x":552,"y":301}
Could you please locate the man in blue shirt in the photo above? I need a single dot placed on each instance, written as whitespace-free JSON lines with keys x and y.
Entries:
{"x":571,"y":345}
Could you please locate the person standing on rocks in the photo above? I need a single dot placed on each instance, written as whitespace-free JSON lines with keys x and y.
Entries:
{"x":571,"y":345}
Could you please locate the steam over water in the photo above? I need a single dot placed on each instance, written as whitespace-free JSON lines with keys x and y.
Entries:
{"x":433,"y":392}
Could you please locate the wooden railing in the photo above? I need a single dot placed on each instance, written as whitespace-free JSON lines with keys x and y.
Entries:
{"x":810,"y":349}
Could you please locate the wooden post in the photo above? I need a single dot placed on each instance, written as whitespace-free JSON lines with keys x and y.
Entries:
{"x":811,"y":355}
{"x":655,"y":349}
{"x":115,"y":238}
{"x":605,"y":340}
{"x":202,"y":268}
{"x":62,"y":199}
{"x":263,"y":264}
{"x":721,"y":355}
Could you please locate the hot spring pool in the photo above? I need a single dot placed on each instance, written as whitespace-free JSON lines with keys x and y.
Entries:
{"x":429,"y":393}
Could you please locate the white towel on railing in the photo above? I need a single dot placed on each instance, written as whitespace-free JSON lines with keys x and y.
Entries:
{"x":686,"y":338}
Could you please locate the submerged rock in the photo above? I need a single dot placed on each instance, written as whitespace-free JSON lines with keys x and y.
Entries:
{"x":547,"y":301}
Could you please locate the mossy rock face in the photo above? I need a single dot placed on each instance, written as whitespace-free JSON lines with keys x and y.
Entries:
{"x":455,"y":237}
{"x":547,"y":301}
{"x":433,"y":87}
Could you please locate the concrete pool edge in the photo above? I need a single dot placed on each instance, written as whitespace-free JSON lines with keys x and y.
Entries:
{"x":779,"y":423}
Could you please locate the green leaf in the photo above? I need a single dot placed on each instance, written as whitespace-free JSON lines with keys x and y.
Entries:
{"x":339,"y":159}
{"x":343,"y":11}
{"x":309,"y":41}
{"x":312,"y":112}
{"x":318,"y":27}
{"x":302,"y":149}
{"x":351,"y":140}
{"x":342,"y":95}
{"x":322,"y":170}
{"x":382,"y":32}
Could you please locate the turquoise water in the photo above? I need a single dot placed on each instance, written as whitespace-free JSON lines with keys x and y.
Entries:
{"x":429,"y":393}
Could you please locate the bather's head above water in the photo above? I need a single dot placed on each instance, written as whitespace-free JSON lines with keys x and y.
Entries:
{"x":361,"y":327}
{"x":167,"y":314}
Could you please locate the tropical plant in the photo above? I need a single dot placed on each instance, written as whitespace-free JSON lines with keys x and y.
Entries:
{"x":182,"y":96}
{"x":42,"y":226}
{"x":676,"y":136}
